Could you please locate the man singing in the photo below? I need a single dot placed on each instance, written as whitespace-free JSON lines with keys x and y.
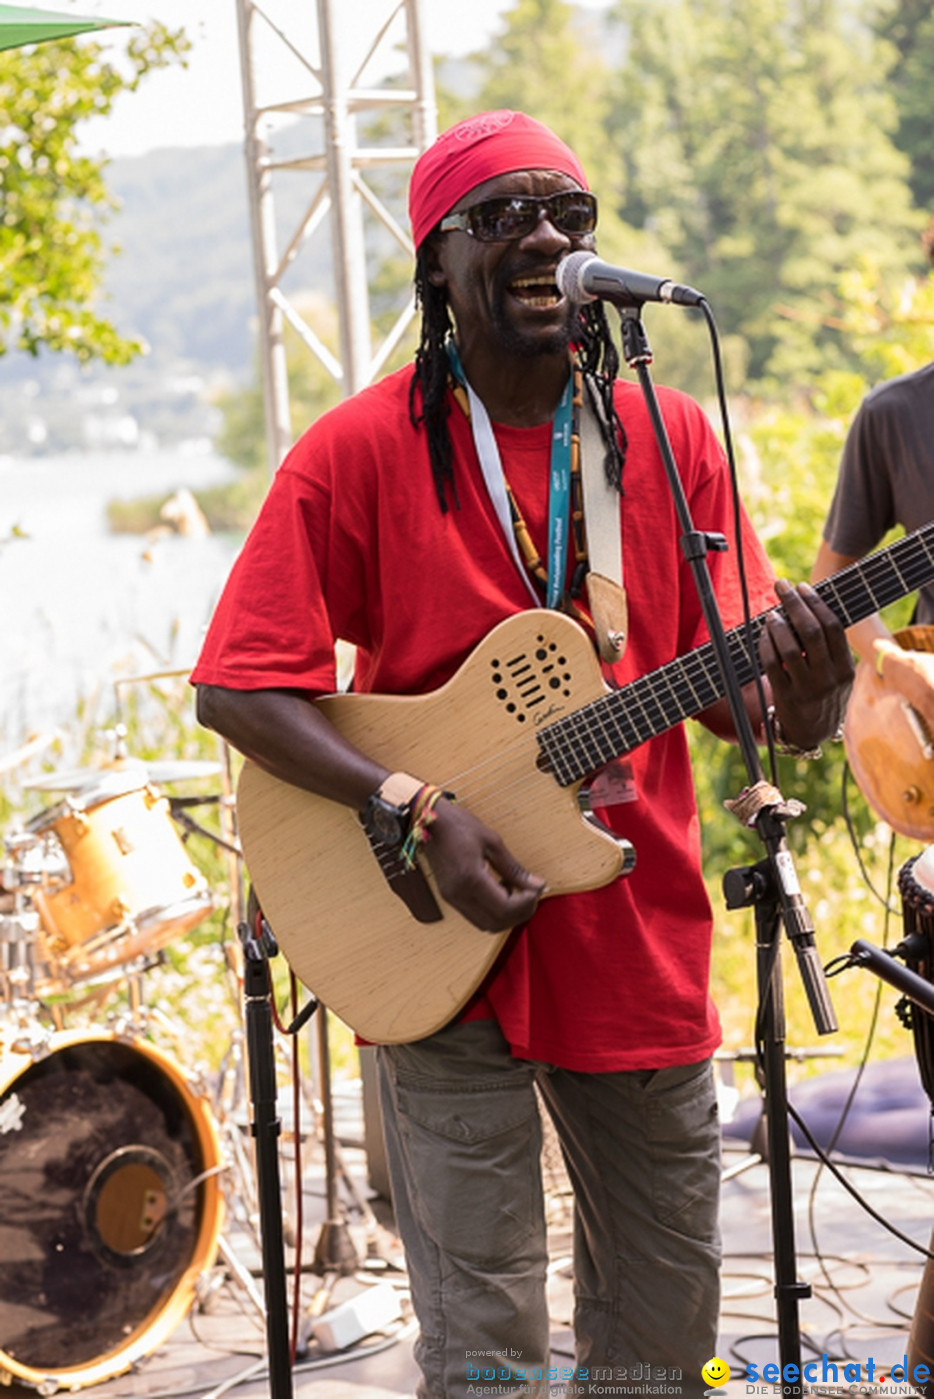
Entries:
{"x":381,"y":529}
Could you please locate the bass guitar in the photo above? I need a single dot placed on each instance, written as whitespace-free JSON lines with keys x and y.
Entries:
{"x":513,"y":734}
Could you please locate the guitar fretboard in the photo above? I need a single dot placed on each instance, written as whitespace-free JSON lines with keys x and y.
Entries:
{"x":619,"y":722}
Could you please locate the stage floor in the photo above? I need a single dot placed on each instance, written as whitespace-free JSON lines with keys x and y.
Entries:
{"x":864,"y":1283}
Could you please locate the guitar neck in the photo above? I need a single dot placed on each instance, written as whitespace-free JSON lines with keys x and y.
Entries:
{"x":619,"y":722}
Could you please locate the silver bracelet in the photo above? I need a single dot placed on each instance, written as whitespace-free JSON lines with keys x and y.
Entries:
{"x":780,"y":742}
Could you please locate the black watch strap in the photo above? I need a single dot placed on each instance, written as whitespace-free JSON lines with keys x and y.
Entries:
{"x":387,"y":815}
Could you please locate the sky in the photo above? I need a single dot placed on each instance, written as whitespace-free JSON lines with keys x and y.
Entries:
{"x":202,"y":104}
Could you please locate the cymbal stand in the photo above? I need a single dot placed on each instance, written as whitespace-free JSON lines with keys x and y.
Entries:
{"x":335,"y":1252}
{"x":771,"y":886}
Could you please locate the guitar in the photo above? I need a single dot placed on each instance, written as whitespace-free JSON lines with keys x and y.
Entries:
{"x":889,"y":748}
{"x":514,"y":734}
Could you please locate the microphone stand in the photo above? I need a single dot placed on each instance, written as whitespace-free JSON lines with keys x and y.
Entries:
{"x":258,"y":946}
{"x":771,"y":886}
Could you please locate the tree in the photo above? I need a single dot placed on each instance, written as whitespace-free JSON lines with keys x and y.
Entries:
{"x":546,"y":63}
{"x":757,"y":145}
{"x":312,"y":391}
{"x":909,"y":26}
{"x":54,"y":199}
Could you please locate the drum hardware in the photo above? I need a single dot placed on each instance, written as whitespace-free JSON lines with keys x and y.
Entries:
{"x":138,"y":770}
{"x":17,"y":967}
{"x":179,"y":808}
{"x":916,"y":982}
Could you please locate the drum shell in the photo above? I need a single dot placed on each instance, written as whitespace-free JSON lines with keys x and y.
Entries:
{"x":132,"y":888}
{"x":921,"y":1335}
{"x":916,"y":886}
{"x":80,"y":1302}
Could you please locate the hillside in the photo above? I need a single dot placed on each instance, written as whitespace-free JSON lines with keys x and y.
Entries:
{"x":184,"y":277}
{"x":181,"y":281}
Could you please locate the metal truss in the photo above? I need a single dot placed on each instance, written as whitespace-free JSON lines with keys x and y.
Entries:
{"x":349,"y":127}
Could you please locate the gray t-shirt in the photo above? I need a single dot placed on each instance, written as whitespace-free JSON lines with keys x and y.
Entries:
{"x":887,"y":471}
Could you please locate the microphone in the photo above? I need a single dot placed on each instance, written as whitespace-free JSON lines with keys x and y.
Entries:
{"x":585,"y":277}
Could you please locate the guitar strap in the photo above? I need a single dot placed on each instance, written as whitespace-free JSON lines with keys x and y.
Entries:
{"x":604,"y":526}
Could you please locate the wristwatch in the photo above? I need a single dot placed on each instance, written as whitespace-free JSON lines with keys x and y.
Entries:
{"x":388,"y":810}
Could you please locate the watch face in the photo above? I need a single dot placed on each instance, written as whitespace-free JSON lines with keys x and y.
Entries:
{"x":386,"y":821}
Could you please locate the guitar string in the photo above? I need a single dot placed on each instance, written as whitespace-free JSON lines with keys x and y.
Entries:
{"x":602,"y":729}
{"x":575,"y":732}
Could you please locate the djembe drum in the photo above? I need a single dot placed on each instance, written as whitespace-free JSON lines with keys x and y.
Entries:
{"x":916,"y":886}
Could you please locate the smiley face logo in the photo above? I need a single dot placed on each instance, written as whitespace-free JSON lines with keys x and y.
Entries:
{"x":715,"y":1372}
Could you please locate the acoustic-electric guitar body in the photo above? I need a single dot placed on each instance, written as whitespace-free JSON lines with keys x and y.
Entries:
{"x":338,"y":922}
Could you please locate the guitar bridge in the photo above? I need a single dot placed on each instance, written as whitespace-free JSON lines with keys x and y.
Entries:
{"x":409,"y":884}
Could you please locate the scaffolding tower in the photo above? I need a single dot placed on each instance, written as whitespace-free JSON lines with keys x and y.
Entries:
{"x":352,"y":101}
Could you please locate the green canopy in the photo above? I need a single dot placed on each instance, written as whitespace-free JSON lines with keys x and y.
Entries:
{"x":20,"y":26}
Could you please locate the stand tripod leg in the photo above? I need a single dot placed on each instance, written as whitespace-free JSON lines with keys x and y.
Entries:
{"x":788,"y":1290}
{"x":242,"y":1274}
{"x":261,"y":1056}
{"x":753,"y":886}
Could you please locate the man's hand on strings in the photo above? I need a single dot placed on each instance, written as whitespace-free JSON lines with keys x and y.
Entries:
{"x":804,"y":653}
{"x":475,"y":872}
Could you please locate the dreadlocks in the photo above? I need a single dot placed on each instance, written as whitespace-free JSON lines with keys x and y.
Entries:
{"x":599,"y":360}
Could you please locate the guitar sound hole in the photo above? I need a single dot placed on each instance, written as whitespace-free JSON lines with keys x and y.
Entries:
{"x":529,"y":683}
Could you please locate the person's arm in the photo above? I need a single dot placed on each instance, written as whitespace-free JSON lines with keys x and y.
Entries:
{"x":284,"y":733}
{"x":864,"y":635}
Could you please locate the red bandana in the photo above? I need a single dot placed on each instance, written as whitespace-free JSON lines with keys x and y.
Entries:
{"x":478,"y":149}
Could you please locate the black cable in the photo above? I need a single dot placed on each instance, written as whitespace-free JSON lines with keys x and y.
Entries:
{"x":854,"y":841}
{"x":737,"y":527}
{"x":851,"y":1189}
{"x":857,"y":1078}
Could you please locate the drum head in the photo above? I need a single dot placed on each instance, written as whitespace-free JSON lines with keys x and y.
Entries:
{"x":106,"y":1214}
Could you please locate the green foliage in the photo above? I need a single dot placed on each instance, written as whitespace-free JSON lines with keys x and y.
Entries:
{"x":756,"y":142}
{"x":908,"y":25}
{"x":54,"y":199}
{"x":312,"y":390}
{"x":541,"y":63}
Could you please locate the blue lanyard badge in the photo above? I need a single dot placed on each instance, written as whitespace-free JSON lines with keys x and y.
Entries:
{"x":559,"y":497}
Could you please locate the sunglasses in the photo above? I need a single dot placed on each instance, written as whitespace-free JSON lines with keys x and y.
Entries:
{"x":573,"y":212}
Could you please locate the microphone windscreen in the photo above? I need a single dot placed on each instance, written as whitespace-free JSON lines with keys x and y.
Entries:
{"x":569,"y":276}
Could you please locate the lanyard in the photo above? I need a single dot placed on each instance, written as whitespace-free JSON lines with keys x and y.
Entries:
{"x":559,"y":484}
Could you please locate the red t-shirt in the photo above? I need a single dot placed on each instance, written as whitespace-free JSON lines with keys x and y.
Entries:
{"x":351,"y":544}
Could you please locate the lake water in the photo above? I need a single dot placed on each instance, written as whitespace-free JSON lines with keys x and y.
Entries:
{"x":83,"y":609}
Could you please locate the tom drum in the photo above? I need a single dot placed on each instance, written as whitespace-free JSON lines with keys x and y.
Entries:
{"x":131,"y":887}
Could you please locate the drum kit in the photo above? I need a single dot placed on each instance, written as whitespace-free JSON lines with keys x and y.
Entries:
{"x":111,"y":1160}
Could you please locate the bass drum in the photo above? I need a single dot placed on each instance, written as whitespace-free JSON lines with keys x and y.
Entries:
{"x":110,"y":1206}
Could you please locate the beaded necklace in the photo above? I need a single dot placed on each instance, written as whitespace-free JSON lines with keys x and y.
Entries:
{"x":565,"y":495}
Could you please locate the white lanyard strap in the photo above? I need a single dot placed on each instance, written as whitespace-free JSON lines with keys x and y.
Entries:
{"x":491,"y":465}
{"x":602,"y":517}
